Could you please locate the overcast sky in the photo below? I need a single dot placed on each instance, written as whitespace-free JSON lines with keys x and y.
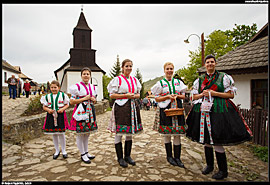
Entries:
{"x":38,"y":37}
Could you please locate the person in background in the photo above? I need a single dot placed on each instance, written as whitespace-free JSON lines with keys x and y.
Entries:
{"x":48,"y":87}
{"x":19,"y":87}
{"x":42,"y":87}
{"x":12,"y":86}
{"x":56,"y":121}
{"x":27,"y":87}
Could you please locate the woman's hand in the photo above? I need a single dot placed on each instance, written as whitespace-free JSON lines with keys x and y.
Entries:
{"x":172,"y":97}
{"x":219,"y":94}
{"x":130,"y":96}
{"x":87,"y":97}
{"x":206,"y":93}
{"x":61,"y":110}
{"x":50,"y":111}
{"x":93,"y":99}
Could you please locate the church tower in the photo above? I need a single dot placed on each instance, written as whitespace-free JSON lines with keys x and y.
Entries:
{"x":81,"y":55}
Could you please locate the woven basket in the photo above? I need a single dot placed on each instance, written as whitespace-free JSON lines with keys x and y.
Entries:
{"x":174,"y":111}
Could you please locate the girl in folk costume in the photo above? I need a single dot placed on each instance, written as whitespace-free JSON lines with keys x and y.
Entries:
{"x":83,"y":119}
{"x":167,"y":91}
{"x":126,"y":119}
{"x":56,"y":121}
{"x":214,"y":120}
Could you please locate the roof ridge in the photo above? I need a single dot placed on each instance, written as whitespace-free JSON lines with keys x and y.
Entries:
{"x":82,"y":23}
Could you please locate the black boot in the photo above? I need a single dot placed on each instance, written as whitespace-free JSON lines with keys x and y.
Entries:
{"x":177,"y":154}
{"x":209,"y":157}
{"x":119,"y":153}
{"x":170,"y":159}
{"x":222,"y":166}
{"x":128,"y":146}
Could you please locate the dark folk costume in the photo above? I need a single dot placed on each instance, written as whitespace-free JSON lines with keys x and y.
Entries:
{"x":56,"y":123}
{"x":83,"y":120}
{"x":126,"y":118}
{"x":223,"y":125}
{"x":170,"y":125}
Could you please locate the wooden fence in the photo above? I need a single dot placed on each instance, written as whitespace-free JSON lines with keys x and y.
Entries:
{"x":257,"y":121}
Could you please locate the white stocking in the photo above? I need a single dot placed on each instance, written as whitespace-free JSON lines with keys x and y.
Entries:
{"x":55,"y":142}
{"x":62,"y":140}
{"x":176,"y":140}
{"x":80,"y":144}
{"x":117,"y":139}
{"x":85,"y":142}
{"x":79,"y":140}
{"x":219,"y":149}
{"x":128,"y":138}
{"x":167,"y":139}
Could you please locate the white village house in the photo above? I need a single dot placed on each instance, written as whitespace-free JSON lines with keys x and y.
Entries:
{"x":7,"y":71}
{"x":81,"y":55}
{"x":248,"y":65}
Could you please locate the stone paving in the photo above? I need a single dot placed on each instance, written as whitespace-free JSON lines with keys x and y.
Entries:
{"x":33,"y":161}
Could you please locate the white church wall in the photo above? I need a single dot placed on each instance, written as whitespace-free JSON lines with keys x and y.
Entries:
{"x":97,"y":81}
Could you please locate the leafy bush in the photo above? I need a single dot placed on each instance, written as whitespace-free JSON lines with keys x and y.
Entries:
{"x":261,"y":152}
{"x":34,"y":107}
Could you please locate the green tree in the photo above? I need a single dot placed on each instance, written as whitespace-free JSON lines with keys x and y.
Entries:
{"x":138,"y":75}
{"x":217,"y":44}
{"x":106,"y":80}
{"x":116,"y":69}
{"x":242,"y":33}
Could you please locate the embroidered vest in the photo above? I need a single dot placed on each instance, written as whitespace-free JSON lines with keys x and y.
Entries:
{"x":172,"y":90}
{"x":60,"y":100}
{"x":219,"y":104}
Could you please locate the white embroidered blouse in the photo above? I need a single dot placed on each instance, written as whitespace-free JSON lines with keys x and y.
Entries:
{"x":45,"y":103}
{"x":159,"y":90}
{"x":81,"y":91}
{"x":114,"y":87}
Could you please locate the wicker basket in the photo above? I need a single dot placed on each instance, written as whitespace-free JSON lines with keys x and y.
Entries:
{"x":174,"y":111}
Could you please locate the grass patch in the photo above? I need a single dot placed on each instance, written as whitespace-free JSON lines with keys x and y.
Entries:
{"x":260,"y":151}
{"x":34,"y":107}
{"x":109,"y":109}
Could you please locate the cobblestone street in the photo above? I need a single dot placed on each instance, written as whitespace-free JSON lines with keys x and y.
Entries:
{"x":33,"y":160}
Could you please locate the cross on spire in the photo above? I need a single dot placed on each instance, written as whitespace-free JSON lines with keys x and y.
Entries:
{"x":82,"y":8}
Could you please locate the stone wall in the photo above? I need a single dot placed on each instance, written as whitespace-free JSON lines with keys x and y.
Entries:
{"x":5,"y":89}
{"x":31,"y":127}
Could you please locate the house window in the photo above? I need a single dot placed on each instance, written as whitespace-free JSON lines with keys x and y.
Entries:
{"x":5,"y":76}
{"x":259,"y":93}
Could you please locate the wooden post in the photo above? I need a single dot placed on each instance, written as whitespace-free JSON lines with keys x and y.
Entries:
{"x":202,"y":41}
